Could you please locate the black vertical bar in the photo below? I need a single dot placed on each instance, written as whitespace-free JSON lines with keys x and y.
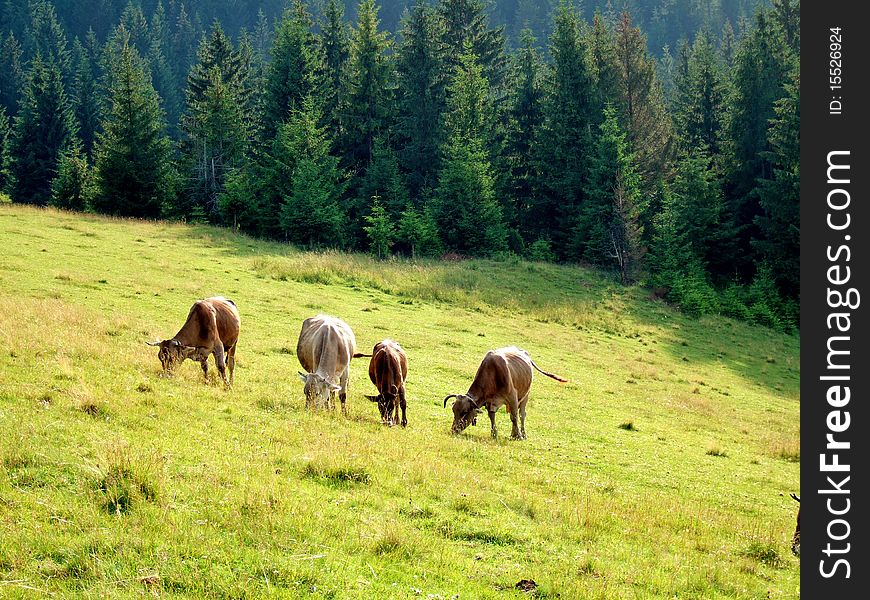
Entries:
{"x":833,"y":120}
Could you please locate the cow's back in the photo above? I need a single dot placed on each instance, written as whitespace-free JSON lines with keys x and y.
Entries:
{"x":227,"y":318}
{"x":325,"y":339}
{"x":389,"y":365}
{"x":502,"y":370}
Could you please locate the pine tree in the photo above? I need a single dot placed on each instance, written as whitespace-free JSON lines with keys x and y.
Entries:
{"x":526,"y":118}
{"x":133,"y":155}
{"x":44,"y":127}
{"x":73,"y":188}
{"x":382,"y":179}
{"x":307,"y":182}
{"x":700,"y":98}
{"x":608,"y":226}
{"x":217,"y":124}
{"x":5,"y":159}
{"x":291,"y":73}
{"x":757,"y":81}
{"x":369,"y":90}
{"x":47,"y":39}
{"x":779,"y":223}
{"x":420,"y":72}
{"x":85,"y":95}
{"x":640,"y":102}
{"x":380,"y":229}
{"x":466,"y":210}
{"x":163,"y":75}
{"x":570,"y":112}
{"x":465,"y":21}
{"x":11,"y":73}
{"x":335,"y":50}
{"x":419,"y":232}
{"x":603,"y":66}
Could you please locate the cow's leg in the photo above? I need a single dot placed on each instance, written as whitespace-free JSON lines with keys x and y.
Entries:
{"x":204,"y":364}
{"x":231,"y":361}
{"x":513,"y":408}
{"x":404,"y":406}
{"x":220,"y":361}
{"x":342,"y":394}
{"x":492,"y":423}
{"x":522,"y":407}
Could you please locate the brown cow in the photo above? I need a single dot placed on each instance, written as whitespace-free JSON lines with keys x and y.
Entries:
{"x":326,"y":345}
{"x":388,"y":370}
{"x":503,"y":377}
{"x":212,"y":327}
{"x":796,"y":538}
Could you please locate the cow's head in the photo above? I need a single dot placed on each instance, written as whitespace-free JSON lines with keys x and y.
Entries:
{"x":171,"y":353}
{"x":318,"y":388}
{"x":386,"y":403}
{"x":465,"y":411}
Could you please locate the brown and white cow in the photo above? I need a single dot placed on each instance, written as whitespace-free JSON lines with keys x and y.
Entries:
{"x":326,"y":345}
{"x":503,"y":377}
{"x":388,"y":370}
{"x":212,"y":327}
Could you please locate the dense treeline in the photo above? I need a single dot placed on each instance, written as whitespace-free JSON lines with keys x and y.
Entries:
{"x":665,"y":21}
{"x":680,"y":171}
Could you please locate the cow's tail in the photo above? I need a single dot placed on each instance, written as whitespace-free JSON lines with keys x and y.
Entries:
{"x":361,"y":355}
{"x":556,"y":377}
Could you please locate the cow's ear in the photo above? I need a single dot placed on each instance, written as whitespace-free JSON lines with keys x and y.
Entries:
{"x":302,"y":376}
{"x":335,"y":387}
{"x":373,"y":398}
{"x":394,"y":389}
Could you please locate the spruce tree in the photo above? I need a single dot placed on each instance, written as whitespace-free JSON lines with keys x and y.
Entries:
{"x":641,"y":103}
{"x":380,"y":229}
{"x":291,"y":74}
{"x":73,"y":188}
{"x":608,"y":226}
{"x":420,"y":72}
{"x":757,"y":81}
{"x":85,"y":94}
{"x":466,"y":210}
{"x":47,"y":39}
{"x":217,"y":123}
{"x":526,"y":118}
{"x":570,"y":112}
{"x":603,"y":65}
{"x":11,"y":73}
{"x":382,"y":179}
{"x":335,"y":50}
{"x":306,"y":181}
{"x":44,"y":127}
{"x":5,"y":160}
{"x":133,"y":154}
{"x":700,"y":98}
{"x":778,"y":241}
{"x":465,"y":21}
{"x":369,"y":88}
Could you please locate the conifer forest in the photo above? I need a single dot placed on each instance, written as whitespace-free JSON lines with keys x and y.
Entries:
{"x":655,"y":139}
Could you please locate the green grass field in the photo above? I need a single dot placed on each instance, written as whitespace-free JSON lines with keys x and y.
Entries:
{"x":661,"y":470}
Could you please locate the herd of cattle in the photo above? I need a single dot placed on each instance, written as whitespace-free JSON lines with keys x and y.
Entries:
{"x":325,"y":348}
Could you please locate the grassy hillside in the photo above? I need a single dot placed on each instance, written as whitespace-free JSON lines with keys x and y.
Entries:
{"x":661,"y":469}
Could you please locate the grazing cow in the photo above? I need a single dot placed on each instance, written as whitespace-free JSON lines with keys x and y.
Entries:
{"x":503,"y":377}
{"x":212,"y":327}
{"x":796,"y":538}
{"x":326,"y":345}
{"x":388,"y":370}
